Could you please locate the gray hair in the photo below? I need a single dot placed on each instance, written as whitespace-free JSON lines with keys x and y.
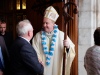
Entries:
{"x":23,"y":27}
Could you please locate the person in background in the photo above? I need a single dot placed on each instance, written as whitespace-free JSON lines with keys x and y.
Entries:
{"x":8,"y":37}
{"x":92,"y":56}
{"x":23,"y":56}
{"x":49,"y":44}
{"x":4,"y":58}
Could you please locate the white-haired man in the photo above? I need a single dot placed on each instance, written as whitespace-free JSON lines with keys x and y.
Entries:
{"x":24,"y":59}
{"x":49,"y":44}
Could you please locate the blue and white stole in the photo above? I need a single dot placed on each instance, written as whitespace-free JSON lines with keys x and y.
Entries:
{"x":49,"y":52}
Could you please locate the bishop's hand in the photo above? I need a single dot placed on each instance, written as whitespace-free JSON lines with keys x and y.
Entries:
{"x":66,"y":44}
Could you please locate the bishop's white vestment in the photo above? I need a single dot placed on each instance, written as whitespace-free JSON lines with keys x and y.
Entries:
{"x":55,"y":67}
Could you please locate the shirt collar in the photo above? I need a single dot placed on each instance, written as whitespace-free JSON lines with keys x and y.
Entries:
{"x":25,"y":39}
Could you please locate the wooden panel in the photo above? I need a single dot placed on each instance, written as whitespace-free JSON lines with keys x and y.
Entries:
{"x":73,"y":34}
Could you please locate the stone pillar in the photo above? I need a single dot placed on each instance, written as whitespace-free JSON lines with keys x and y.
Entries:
{"x":88,"y":21}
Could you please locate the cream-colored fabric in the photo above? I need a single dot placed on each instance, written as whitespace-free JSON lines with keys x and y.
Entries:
{"x":51,"y":13}
{"x":55,"y":67}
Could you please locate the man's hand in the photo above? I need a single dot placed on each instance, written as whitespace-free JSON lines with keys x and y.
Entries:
{"x":41,"y":62}
{"x":66,"y":43}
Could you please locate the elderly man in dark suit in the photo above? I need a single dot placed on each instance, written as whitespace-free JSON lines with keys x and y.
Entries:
{"x":24,"y":60}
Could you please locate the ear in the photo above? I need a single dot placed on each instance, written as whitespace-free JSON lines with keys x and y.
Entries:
{"x":29,"y":33}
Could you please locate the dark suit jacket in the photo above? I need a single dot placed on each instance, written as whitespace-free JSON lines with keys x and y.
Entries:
{"x":24,"y":59}
{"x":8,"y":38}
{"x":5,"y":56}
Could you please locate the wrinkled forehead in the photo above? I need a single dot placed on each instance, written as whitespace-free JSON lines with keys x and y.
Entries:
{"x":47,"y":20}
{"x":2,"y":24}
